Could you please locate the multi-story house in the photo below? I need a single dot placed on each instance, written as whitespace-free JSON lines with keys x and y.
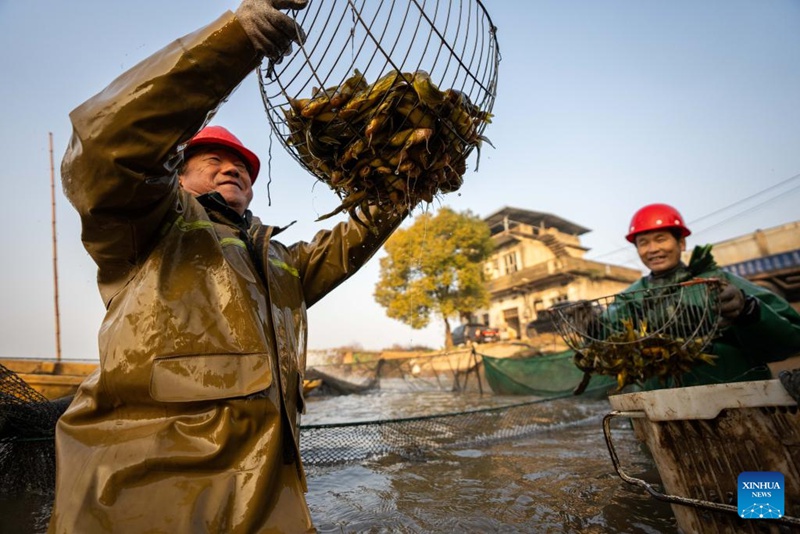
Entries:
{"x":538,"y":262}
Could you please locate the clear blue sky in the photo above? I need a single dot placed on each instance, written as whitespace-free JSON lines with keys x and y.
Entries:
{"x":602,"y":107}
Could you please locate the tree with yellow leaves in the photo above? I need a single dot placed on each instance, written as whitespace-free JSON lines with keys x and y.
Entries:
{"x":435,"y":267}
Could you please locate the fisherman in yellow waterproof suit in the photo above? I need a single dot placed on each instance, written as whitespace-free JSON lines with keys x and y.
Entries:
{"x":191,"y":422}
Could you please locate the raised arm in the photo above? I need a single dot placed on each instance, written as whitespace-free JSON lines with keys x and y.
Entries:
{"x":335,"y":255}
{"x":119,"y":168}
{"x":118,"y":171}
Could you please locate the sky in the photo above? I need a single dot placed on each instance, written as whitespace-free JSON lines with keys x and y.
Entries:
{"x":602,"y":107}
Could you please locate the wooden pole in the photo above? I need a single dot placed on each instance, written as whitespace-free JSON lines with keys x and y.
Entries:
{"x":477,"y":366}
{"x":55,"y":248}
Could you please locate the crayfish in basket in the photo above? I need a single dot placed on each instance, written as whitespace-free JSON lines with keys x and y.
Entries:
{"x":392,"y":143}
{"x":635,"y":356}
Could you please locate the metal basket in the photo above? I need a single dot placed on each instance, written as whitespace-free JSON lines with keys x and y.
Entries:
{"x":656,"y":332}
{"x":454,"y":43}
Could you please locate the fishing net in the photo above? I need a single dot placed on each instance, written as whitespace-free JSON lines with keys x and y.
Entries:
{"x":651,"y":333}
{"x":386,"y":100}
{"x":328,"y":444}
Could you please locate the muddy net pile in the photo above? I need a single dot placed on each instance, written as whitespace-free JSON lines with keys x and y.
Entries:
{"x":385,"y":100}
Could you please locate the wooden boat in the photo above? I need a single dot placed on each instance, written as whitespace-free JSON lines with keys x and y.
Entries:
{"x":52,"y":378}
{"x":55,"y":379}
{"x":311,"y":385}
{"x":542,"y":375}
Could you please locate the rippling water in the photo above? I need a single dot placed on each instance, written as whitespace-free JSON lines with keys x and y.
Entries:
{"x":554,"y":476}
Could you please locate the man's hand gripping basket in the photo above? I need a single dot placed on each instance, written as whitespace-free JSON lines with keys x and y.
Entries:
{"x":635,"y":336}
{"x":385,"y":100}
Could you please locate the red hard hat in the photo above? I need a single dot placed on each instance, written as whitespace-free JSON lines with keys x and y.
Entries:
{"x":656,"y":217}
{"x":217,"y":135}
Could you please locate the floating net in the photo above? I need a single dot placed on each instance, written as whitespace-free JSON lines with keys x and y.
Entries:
{"x":385,"y":100}
{"x":652,"y":333}
{"x":328,"y":444}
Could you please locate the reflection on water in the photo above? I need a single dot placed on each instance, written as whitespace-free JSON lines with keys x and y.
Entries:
{"x":556,"y":477}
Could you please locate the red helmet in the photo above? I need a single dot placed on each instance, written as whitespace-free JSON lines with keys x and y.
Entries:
{"x":217,"y":135}
{"x":656,"y":217}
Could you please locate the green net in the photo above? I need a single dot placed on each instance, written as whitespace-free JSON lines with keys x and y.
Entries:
{"x":545,"y":375}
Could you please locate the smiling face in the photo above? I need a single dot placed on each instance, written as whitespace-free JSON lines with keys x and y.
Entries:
{"x":221,"y":170}
{"x":659,"y":250}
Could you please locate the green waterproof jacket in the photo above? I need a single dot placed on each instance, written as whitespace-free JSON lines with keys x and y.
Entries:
{"x":191,"y":422}
{"x":744,"y":347}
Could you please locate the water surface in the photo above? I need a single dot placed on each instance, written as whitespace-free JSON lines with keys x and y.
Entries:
{"x":556,"y":476}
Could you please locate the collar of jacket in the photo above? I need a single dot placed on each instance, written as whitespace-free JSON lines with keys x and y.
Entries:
{"x":218,"y":209}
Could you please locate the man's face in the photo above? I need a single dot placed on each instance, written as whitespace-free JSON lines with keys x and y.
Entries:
{"x":221,"y":170}
{"x":659,"y":250}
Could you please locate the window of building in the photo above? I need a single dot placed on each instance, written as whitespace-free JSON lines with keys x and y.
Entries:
{"x":510,"y":262}
{"x":560,"y":298}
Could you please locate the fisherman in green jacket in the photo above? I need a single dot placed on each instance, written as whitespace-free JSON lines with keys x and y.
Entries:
{"x":191,"y":422}
{"x":758,"y":326}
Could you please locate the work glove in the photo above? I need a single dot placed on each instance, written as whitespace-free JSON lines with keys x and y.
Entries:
{"x":736,"y":307}
{"x":790,"y":380}
{"x":270,"y":30}
{"x":731,"y":302}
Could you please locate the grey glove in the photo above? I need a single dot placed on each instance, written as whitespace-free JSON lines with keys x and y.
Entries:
{"x":271,"y":31}
{"x":731,"y":302}
{"x":790,"y":380}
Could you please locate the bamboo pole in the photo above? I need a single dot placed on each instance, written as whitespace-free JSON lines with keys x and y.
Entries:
{"x":55,"y":248}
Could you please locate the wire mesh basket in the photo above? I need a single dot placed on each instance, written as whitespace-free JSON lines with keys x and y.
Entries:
{"x":635,"y":336}
{"x":385,"y":100}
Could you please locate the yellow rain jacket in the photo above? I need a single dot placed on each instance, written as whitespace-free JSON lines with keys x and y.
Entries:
{"x":191,"y":422}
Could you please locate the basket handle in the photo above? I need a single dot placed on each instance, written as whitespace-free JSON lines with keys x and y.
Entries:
{"x":695,"y":281}
{"x":672,"y":499}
